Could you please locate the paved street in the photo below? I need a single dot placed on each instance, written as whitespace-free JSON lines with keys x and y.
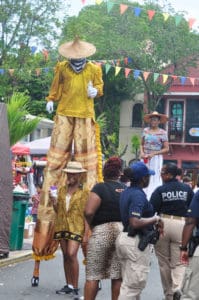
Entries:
{"x":15,"y":282}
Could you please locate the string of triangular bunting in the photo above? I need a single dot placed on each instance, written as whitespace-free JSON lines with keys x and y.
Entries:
{"x":138,"y":10}
{"x":115,"y":63}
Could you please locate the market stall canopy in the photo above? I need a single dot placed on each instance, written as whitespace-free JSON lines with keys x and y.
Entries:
{"x":20,"y":149}
{"x":40,"y":146}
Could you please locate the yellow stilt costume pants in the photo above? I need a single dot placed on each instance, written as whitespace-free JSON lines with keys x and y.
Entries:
{"x":84,"y":134}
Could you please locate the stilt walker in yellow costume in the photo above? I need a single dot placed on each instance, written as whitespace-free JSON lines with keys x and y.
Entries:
{"x":75,"y":85}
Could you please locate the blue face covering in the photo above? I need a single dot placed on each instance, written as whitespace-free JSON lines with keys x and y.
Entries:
{"x":77,"y":64}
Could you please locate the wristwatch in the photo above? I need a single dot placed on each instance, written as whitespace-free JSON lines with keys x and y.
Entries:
{"x":183,"y":248}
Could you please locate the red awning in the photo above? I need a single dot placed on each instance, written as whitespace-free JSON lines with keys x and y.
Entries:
{"x":20,"y":149}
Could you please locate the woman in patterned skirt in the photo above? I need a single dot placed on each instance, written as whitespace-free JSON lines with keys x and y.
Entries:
{"x":103,"y":215}
{"x":153,"y":145}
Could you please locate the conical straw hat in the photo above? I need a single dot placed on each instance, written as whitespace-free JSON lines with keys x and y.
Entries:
{"x":77,"y":49}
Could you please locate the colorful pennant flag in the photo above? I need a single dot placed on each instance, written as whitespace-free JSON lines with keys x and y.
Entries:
{"x":182,"y":80}
{"x":192,"y":80}
{"x":174,"y":77}
{"x":191,"y":21}
{"x":107,"y":68}
{"x":33,"y":49}
{"x":136,"y":73}
{"x":155,"y":76}
{"x":165,"y":16}
{"x":178,"y":19}
{"x":98,"y":2}
{"x":137,"y":11}
{"x":109,"y":6}
{"x":146,"y":75}
{"x":117,"y":70}
{"x":123,"y":8}
{"x":115,"y":63}
{"x":126,"y":72}
{"x":151,"y":14}
{"x":164,"y":78}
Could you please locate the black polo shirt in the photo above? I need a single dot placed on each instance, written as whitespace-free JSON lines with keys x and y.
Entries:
{"x":172,"y":198}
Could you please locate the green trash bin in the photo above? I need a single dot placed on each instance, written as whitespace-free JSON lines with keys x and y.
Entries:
{"x":20,"y":203}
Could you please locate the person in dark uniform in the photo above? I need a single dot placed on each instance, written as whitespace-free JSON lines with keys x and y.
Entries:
{"x":190,"y":281}
{"x":137,"y":218}
{"x":171,"y":201}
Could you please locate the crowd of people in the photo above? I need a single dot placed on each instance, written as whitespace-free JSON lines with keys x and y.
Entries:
{"x":111,"y":221}
{"x":116,"y":222}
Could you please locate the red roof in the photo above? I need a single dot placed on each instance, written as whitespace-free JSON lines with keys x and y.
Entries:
{"x":191,"y":83}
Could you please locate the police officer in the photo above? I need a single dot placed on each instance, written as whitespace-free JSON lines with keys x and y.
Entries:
{"x":137,"y":215}
{"x":171,"y":201}
{"x":190,"y":282}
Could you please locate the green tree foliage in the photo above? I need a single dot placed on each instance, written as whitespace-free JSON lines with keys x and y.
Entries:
{"x":18,"y":123}
{"x":25,"y":23}
{"x":28,"y":27}
{"x":151,"y":46}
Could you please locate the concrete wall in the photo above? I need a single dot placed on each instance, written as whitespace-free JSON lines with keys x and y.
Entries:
{"x":126,"y":130}
{"x":44,"y":129}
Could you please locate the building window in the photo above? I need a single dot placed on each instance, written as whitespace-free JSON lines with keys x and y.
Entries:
{"x":176,"y":113}
{"x":49,"y":131}
{"x":137,"y":115}
{"x":192,"y":121}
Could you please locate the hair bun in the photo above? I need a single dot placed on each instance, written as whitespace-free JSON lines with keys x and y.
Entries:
{"x":112,"y":167}
{"x":114,"y":160}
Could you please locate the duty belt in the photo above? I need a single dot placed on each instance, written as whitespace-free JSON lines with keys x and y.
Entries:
{"x":172,"y":217}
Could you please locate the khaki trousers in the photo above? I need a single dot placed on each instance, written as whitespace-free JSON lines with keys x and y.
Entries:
{"x":135,"y":266}
{"x":168,"y":254}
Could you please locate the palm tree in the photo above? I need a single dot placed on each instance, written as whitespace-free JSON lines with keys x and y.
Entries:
{"x":18,"y":124}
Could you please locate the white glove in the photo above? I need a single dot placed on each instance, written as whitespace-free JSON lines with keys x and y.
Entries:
{"x":91,"y":91}
{"x":53,"y":192}
{"x":49,"y":107}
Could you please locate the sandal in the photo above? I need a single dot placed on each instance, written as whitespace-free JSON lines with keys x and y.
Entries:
{"x":35,"y":281}
{"x":99,"y":285}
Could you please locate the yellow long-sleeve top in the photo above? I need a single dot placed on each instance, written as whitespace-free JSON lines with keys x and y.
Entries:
{"x":70,"y":89}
